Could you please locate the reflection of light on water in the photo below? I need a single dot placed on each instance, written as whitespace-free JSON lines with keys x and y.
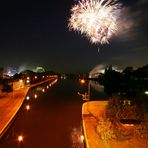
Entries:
{"x":27,"y":107}
{"x":39,"y":88}
{"x":35,"y":96}
{"x":77,"y":138}
{"x":27,"y":98}
{"x":94,"y":73}
{"x":97,"y":86}
{"x":53,"y":82}
{"x":20,"y":138}
{"x":82,"y":138}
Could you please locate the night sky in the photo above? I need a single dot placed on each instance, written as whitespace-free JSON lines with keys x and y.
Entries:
{"x":35,"y":33}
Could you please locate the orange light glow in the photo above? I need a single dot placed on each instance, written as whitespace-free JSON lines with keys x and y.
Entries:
{"x":27,"y":107}
{"x":82,"y":138}
{"x":82,"y":81}
{"x":20,"y":138}
{"x":21,"y":81}
{"x":35,"y":96}
{"x":128,"y":125}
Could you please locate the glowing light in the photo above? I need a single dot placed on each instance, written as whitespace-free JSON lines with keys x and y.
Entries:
{"x":128,"y":125}
{"x":27,"y":107}
{"x":82,"y":138}
{"x":27,"y":81}
{"x":43,"y":90}
{"x":35,"y":77}
{"x":47,"y":87}
{"x":82,"y":81}
{"x":35,"y":96}
{"x":28,"y":78}
{"x":77,"y":137}
{"x":27,"y":98}
{"x":20,"y":138}
{"x":21,"y":81}
{"x":146,"y":92}
{"x":95,"y":19}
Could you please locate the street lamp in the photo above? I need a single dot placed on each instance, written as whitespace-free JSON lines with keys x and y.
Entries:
{"x":146,"y":92}
{"x":85,"y":96}
{"x":89,"y":89}
{"x":82,"y":81}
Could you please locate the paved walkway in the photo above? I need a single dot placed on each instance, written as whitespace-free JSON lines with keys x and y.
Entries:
{"x":91,"y":110}
{"x":10,"y":103}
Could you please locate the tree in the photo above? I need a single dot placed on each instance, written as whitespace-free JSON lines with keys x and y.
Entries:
{"x":128,"y":70}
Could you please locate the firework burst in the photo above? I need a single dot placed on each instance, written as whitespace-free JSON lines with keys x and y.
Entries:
{"x":95,"y":19}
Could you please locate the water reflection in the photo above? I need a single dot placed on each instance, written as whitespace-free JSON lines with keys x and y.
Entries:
{"x":77,"y":137}
{"x":52,"y":114}
{"x":92,"y":90}
{"x":97,"y":86}
{"x":27,"y":107}
{"x":37,"y":91}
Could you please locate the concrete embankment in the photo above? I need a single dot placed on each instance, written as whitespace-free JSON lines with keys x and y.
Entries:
{"x":10,"y":104}
{"x":91,"y":111}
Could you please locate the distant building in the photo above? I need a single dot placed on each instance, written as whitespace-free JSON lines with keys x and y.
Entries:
{"x":39,"y":69}
{"x":10,"y":71}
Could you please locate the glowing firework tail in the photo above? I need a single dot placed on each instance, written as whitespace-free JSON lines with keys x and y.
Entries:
{"x":95,"y":19}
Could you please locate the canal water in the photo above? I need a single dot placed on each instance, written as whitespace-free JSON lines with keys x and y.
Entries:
{"x":51,"y":116}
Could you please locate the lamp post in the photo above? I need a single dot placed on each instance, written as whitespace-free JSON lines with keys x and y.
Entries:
{"x":89,"y":89}
{"x":85,"y":96}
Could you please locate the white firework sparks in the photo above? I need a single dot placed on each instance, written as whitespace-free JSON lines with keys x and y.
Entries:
{"x":96,"y":19}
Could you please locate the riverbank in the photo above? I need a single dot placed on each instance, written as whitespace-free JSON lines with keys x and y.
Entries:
{"x":10,"y":104}
{"x":98,"y":131}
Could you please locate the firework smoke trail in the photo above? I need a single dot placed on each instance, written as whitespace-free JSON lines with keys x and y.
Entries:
{"x":95,"y":19}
